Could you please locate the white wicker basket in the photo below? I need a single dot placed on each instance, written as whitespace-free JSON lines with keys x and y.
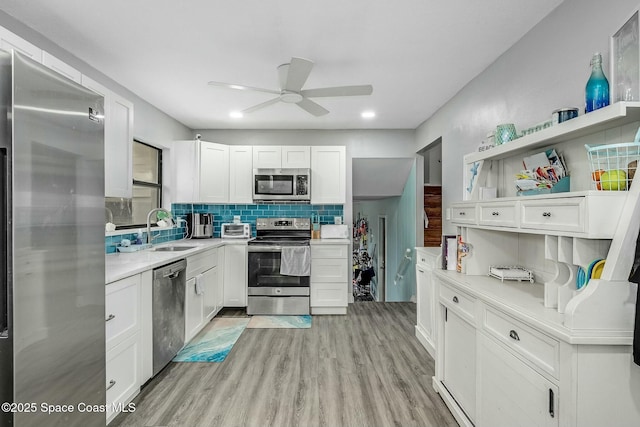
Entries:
{"x":613,"y":166}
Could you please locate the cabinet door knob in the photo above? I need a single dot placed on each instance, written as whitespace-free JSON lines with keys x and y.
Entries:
{"x":546,"y":214}
{"x":110,"y":317}
{"x":111,"y":384}
{"x":514,"y":335}
{"x":455,"y":299}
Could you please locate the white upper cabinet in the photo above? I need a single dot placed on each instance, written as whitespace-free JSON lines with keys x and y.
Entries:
{"x":120,"y":148}
{"x":9,"y":41}
{"x":296,"y":157}
{"x":200,"y":172}
{"x":240,"y":174}
{"x":267,"y":157}
{"x":280,"y":157}
{"x":60,"y":67}
{"x":214,"y":173}
{"x":328,"y":171}
{"x":118,"y":141}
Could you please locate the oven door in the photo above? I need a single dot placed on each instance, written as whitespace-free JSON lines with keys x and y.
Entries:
{"x":264,"y":271}
{"x":271,"y":293}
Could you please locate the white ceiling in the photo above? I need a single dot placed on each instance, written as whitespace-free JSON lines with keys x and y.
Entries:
{"x":416,"y":53}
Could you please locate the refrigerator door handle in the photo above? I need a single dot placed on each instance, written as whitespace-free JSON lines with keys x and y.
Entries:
{"x":4,"y":272}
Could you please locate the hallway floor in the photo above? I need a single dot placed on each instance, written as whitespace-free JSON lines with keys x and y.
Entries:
{"x":363,"y":369}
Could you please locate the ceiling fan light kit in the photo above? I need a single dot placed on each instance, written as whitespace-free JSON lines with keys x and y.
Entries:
{"x":292,"y":77}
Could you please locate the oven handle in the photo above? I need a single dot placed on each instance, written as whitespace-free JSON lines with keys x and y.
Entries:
{"x":256,"y":248}
{"x":268,"y":248}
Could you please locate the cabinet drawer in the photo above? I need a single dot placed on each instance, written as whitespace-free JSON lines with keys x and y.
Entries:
{"x":329,"y":270}
{"x":463,"y":214}
{"x":535,"y":346}
{"x":122,"y":373}
{"x":499,"y":214}
{"x":122,"y":309}
{"x":427,"y":260}
{"x":329,"y":251}
{"x":458,"y":301}
{"x":199,"y":263}
{"x":333,"y":294}
{"x":564,"y":215}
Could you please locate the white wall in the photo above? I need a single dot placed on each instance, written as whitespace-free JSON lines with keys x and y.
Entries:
{"x":150,"y":124}
{"x":546,"y":70}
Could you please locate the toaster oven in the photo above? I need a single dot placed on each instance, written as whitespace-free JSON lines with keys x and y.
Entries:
{"x":236,"y":231}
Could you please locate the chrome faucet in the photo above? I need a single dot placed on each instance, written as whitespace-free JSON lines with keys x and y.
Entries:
{"x":151,"y":212}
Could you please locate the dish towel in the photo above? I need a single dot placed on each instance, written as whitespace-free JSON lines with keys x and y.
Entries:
{"x":295,"y":261}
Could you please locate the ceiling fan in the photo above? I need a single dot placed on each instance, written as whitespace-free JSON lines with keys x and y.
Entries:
{"x":292,"y":77}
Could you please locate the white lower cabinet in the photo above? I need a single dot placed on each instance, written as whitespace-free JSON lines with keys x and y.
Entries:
{"x":458,"y":351}
{"x":193,"y":309}
{"x":202,"y":293}
{"x":123,"y":342}
{"x":329,"y":282}
{"x":426,"y":262}
{"x":510,"y":392}
{"x":122,"y":374}
{"x":501,"y":362}
{"x":235,"y":275}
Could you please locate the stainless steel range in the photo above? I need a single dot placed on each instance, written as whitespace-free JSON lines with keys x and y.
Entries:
{"x":278,"y":281}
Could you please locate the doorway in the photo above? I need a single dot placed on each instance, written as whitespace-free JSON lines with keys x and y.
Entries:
{"x":381,"y":261}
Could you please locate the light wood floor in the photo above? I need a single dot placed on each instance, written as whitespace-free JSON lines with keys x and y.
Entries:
{"x":363,"y":369}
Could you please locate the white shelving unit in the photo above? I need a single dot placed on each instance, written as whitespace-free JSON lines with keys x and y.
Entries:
{"x":577,"y":227}
{"x":547,"y":344}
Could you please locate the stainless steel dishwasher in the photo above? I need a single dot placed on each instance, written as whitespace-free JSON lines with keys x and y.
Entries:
{"x":169,"y":283}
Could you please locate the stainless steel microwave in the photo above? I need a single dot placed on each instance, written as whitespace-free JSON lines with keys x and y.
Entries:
{"x":281,"y":184}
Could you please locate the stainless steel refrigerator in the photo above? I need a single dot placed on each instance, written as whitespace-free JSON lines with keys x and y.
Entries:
{"x":52,"y":342}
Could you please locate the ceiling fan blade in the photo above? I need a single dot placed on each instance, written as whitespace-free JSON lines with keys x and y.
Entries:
{"x":259,"y":106}
{"x":312,"y":108}
{"x":241,"y":87}
{"x":297,"y":73}
{"x":338,"y":91}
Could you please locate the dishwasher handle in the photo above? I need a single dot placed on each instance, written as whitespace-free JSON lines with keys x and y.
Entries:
{"x":171,"y":274}
{"x":170,"y":271}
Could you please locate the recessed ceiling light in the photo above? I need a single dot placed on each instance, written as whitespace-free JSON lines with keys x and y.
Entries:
{"x":368,"y":114}
{"x":236,"y":114}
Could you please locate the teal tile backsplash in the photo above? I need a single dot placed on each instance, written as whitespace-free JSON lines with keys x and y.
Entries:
{"x":225,"y":213}
{"x":249,"y":213}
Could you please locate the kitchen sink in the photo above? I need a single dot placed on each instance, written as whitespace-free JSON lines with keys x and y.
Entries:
{"x":173,"y":248}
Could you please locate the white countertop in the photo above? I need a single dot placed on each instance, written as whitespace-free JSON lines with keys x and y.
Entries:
{"x":525,"y":301}
{"x":430,"y":250}
{"x":121,"y":265}
{"x":330,"y":241}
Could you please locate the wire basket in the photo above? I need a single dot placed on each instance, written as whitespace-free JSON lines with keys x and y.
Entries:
{"x":613,"y":166}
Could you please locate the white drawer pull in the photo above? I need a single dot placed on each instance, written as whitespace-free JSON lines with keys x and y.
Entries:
{"x":111,"y":384}
{"x":111,"y":317}
{"x":455,"y":299}
{"x":514,"y":335}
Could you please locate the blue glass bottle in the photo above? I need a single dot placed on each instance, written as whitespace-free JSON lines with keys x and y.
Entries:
{"x":597,"y":90}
